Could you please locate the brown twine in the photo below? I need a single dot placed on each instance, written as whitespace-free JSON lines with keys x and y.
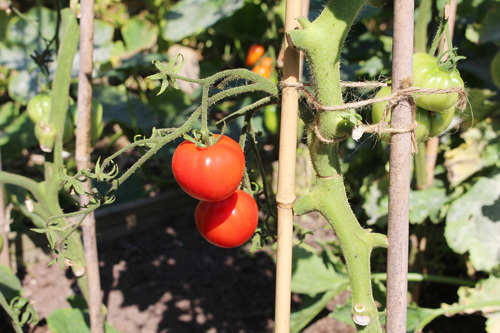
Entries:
{"x":407,"y":92}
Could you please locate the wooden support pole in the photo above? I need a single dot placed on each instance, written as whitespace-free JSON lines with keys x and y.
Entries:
{"x":285,"y":195}
{"x":82,"y":156}
{"x":399,"y":173}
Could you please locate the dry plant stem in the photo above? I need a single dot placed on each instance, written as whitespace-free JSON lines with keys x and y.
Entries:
{"x":285,"y":195}
{"x":4,"y":225}
{"x":399,"y":173}
{"x":82,"y":160}
{"x":433,"y":143}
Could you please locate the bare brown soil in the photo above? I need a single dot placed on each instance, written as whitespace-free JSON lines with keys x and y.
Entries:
{"x":168,"y":279}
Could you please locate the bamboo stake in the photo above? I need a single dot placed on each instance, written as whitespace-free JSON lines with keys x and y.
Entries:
{"x":4,"y":226}
{"x":399,"y":173}
{"x":433,"y":143}
{"x":285,"y":195}
{"x":82,"y":156}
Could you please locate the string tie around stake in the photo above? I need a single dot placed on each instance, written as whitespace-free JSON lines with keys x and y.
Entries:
{"x":407,"y":92}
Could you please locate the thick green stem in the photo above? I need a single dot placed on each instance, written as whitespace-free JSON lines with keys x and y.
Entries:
{"x":420,"y":166}
{"x":322,"y":41}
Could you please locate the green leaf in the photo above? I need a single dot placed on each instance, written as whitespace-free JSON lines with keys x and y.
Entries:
{"x":139,"y":34}
{"x":376,"y":202}
{"x":485,"y":290}
{"x":190,"y":17}
{"x":311,"y":276}
{"x":24,"y":85}
{"x":472,"y":224}
{"x":74,"y":321}
{"x":310,"y":309}
{"x":479,"y":151}
{"x":18,"y":133}
{"x":33,"y":30}
{"x":427,"y":203}
{"x":8,"y":112}
{"x":490,"y":31}
{"x":124,"y":107}
{"x":10,"y":286}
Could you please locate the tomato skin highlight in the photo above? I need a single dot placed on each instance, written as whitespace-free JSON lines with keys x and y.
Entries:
{"x":428,"y":74}
{"x":230,"y":222}
{"x":255,"y":52}
{"x":209,"y":174}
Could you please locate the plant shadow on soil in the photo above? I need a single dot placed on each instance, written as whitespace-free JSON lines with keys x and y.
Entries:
{"x":169,"y":279}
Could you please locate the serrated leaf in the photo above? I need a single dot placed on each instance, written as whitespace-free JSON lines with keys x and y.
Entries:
{"x":472,"y":224}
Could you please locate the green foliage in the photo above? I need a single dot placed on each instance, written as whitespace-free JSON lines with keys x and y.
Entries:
{"x":73,"y":320}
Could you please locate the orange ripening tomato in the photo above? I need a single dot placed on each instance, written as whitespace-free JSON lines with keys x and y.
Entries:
{"x":264,"y":71}
{"x":255,"y":52}
{"x":266,"y":61}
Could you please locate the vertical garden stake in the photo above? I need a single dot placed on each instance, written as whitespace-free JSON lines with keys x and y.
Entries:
{"x":399,"y":173}
{"x":285,"y":195}
{"x":82,"y":156}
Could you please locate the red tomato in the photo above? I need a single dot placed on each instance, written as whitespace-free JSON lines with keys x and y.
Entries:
{"x":254,"y":53}
{"x":230,"y":222}
{"x":264,"y":71}
{"x":209,"y":174}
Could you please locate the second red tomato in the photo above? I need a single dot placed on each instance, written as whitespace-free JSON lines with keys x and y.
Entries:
{"x":209,"y":174}
{"x":230,"y":222}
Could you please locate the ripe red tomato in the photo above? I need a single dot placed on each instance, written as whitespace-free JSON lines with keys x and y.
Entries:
{"x":230,"y":222}
{"x":264,"y":71}
{"x":212,"y":173}
{"x":254,"y":53}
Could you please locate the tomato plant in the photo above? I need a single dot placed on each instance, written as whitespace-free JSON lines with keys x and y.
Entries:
{"x":421,"y":116}
{"x":230,"y":222}
{"x":96,"y":122}
{"x":440,"y":121}
{"x":209,"y":173}
{"x":38,"y":108}
{"x":429,"y":73}
{"x":255,"y":52}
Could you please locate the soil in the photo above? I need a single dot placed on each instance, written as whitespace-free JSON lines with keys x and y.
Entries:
{"x":168,"y":279}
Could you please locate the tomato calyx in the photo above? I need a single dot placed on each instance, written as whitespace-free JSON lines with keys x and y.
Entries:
{"x":452,"y":58}
{"x":203,"y":139}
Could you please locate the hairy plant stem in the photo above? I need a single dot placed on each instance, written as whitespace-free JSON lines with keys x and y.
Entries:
{"x":322,"y":41}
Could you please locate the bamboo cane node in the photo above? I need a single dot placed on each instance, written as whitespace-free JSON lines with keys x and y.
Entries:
{"x":285,"y":206}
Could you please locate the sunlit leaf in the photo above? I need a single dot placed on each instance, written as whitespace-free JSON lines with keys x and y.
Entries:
{"x":472,"y":224}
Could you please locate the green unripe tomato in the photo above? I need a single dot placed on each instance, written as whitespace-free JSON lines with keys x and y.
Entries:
{"x":38,"y":108}
{"x":46,"y":135}
{"x":421,"y":116}
{"x":428,"y":73}
{"x":495,"y":69}
{"x":96,"y":122}
{"x":272,"y":119}
{"x":440,"y":121}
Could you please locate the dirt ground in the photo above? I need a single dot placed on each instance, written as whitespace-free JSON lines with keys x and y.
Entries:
{"x":168,"y":279}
